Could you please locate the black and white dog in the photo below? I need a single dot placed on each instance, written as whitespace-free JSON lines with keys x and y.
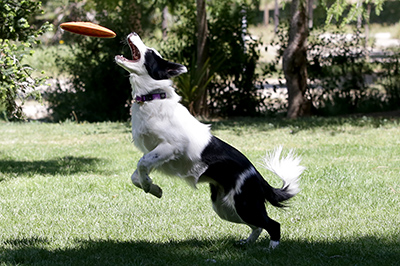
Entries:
{"x":176,"y":143}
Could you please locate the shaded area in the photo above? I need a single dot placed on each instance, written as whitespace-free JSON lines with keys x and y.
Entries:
{"x":67,"y":165}
{"x":375,"y":120}
{"x":360,"y":250}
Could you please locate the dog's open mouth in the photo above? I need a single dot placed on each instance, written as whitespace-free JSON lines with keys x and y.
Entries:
{"x":134,"y":51}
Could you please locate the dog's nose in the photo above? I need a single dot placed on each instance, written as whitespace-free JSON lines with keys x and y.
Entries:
{"x":132,"y":34}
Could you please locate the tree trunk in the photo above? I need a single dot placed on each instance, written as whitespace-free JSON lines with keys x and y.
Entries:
{"x":164,"y":25}
{"x":310,"y":14}
{"x":134,"y":20}
{"x":200,"y":107}
{"x":266,"y":13}
{"x":276,"y":16}
{"x":295,"y":61}
{"x":360,"y":16}
{"x":367,"y":25}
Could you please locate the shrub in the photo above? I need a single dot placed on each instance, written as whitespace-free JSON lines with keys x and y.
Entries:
{"x":236,"y":89}
{"x":389,"y":77}
{"x":233,"y":88}
{"x":17,"y":37}
{"x":342,"y":76}
{"x":99,"y":90}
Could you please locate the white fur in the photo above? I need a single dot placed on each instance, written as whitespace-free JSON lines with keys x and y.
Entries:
{"x":273,"y":244}
{"x":225,"y":211}
{"x":255,"y":233}
{"x":169,"y":136}
{"x":224,"y":206}
{"x":184,"y":138}
{"x":173,"y":141}
{"x":287,"y":168}
{"x":228,"y":199}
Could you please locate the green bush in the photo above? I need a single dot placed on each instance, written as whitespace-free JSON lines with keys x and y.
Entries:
{"x":342,"y":76}
{"x":389,"y":78}
{"x":99,"y":90}
{"x":234,"y":87}
{"x":17,"y":37}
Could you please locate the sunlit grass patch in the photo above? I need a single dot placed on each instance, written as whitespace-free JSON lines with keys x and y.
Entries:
{"x":66,"y":197}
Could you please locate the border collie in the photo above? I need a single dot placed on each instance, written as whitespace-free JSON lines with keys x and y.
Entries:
{"x":176,"y":143}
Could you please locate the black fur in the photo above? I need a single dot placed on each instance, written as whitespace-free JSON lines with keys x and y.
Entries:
{"x":224,"y":162}
{"x":159,"y":68}
{"x":238,"y":191}
{"x":225,"y":165}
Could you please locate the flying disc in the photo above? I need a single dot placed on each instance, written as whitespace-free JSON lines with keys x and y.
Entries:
{"x":88,"y":28}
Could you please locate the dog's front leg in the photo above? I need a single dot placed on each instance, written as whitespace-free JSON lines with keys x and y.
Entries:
{"x":161,"y":154}
{"x":154,"y":189}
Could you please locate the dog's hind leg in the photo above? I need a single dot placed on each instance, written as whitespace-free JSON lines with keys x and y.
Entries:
{"x":253,"y":236}
{"x":252,"y":211}
{"x":154,"y":189}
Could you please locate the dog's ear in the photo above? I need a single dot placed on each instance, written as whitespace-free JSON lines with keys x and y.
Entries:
{"x":159,"y":68}
{"x":175,"y":69}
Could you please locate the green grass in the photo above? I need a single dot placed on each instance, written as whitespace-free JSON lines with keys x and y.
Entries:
{"x":66,"y":198}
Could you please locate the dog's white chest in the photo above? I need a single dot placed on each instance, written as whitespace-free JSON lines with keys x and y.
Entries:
{"x":147,"y":126}
{"x":166,"y":123}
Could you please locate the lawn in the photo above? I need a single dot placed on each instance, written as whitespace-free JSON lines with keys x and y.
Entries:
{"x":66,"y":197}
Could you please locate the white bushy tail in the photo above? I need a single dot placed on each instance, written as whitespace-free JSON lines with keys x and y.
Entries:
{"x":287,"y":167}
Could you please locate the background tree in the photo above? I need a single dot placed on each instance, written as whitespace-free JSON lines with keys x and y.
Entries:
{"x":200,"y":107}
{"x":295,"y":60}
{"x":103,"y":92}
{"x":17,"y":37}
{"x":276,"y":16}
{"x":235,"y":90}
{"x":210,"y":37}
{"x":295,"y":54}
{"x":222,"y":88}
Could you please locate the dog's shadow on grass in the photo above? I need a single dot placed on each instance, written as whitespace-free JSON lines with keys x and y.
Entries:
{"x":67,"y":165}
{"x":363,"y":250}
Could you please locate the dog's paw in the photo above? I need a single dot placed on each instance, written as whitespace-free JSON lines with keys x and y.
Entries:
{"x":243,"y":242}
{"x":273,"y":244}
{"x":156,"y":191}
{"x":146,"y":186}
{"x":146,"y":183}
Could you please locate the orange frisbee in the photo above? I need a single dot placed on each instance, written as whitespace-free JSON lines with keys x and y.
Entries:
{"x":88,"y":28}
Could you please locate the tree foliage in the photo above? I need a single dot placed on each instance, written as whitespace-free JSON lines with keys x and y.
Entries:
{"x":344,"y":12}
{"x":103,"y":91}
{"x":232,"y":82}
{"x":17,"y":37}
{"x":236,"y":89}
{"x":342,"y":76}
{"x":295,"y":53}
{"x":99,"y":89}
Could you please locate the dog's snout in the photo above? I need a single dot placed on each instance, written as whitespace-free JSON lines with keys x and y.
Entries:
{"x":132,"y":34}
